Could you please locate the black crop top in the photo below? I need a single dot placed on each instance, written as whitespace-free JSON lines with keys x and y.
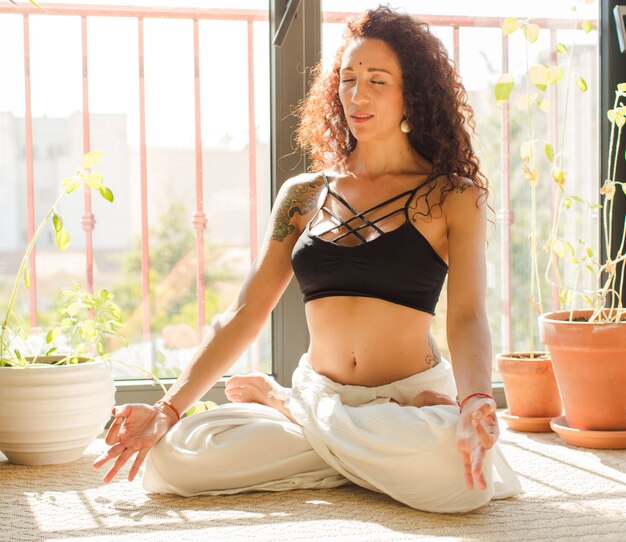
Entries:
{"x":399,"y":266}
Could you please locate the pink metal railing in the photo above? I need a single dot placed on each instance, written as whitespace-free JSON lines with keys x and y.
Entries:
{"x":88,"y":221}
{"x":30,"y":187}
{"x":199,"y":220}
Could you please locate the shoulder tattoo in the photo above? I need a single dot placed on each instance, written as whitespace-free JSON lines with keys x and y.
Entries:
{"x":460,"y":189}
{"x":301,"y":199}
{"x":434,"y":358}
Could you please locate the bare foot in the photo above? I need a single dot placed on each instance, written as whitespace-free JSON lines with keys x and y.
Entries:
{"x":258,"y":388}
{"x":430,"y":398}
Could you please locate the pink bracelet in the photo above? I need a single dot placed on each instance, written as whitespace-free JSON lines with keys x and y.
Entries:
{"x":478,"y":394}
{"x":167,"y":403}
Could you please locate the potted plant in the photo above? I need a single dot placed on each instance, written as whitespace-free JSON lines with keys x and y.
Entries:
{"x":588,"y":346}
{"x":528,"y":377}
{"x":53,"y":406}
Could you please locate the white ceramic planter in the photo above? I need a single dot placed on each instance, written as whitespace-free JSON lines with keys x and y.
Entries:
{"x":50,"y":414}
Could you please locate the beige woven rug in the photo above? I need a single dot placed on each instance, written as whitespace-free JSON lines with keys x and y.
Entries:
{"x":569,"y":494}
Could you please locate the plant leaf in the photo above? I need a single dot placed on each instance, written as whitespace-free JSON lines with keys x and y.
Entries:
{"x":540,"y":76}
{"x":524,"y":150}
{"x":72,"y":310}
{"x":621,"y":87}
{"x":544,"y":105}
{"x":200,"y":406}
{"x":106,"y":193}
{"x":586,"y":26}
{"x":531,"y":174}
{"x":94,"y":180}
{"x":531,"y":32}
{"x":52,"y":334}
{"x":63,"y":239}
{"x":510,"y":25}
{"x":555,"y":75}
{"x":26,"y":278}
{"x":581,"y":83}
{"x":559,"y":248}
{"x":504,"y":86}
{"x":558,"y":175}
{"x":549,"y":151}
{"x":91,"y":159}
{"x":561,"y":48}
{"x":57,"y":221}
{"x":69,"y":184}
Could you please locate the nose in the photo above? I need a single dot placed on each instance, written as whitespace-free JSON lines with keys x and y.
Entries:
{"x":359,"y":94}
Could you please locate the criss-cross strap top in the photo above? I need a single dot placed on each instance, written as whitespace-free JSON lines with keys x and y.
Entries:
{"x":361,"y":259}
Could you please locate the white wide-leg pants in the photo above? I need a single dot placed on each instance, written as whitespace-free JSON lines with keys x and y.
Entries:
{"x":345,"y":433}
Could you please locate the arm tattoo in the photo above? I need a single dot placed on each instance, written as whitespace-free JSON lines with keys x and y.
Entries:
{"x":299,"y":199}
{"x":434,"y":357}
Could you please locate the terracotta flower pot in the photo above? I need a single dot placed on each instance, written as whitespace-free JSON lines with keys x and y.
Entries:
{"x":529,"y":385}
{"x":590,"y":365}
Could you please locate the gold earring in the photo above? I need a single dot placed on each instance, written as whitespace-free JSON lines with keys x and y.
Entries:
{"x":405,"y":126}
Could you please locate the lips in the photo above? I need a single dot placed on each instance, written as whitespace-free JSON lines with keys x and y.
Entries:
{"x":360,"y":117}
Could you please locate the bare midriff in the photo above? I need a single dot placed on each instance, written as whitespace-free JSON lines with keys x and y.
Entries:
{"x":367,"y":341}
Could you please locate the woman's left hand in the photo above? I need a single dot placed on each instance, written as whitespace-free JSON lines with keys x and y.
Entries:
{"x":476,"y":432}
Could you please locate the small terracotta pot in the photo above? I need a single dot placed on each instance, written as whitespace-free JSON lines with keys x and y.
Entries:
{"x":529,"y":385}
{"x":590,"y":366}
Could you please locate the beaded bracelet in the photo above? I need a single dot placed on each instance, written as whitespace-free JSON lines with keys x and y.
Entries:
{"x":478,"y":394}
{"x":167,"y":403}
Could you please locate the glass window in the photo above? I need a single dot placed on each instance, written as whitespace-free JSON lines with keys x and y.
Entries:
{"x":480,"y":62}
{"x":189,"y":214}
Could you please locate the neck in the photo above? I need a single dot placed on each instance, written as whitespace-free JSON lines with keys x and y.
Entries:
{"x":375,"y":159}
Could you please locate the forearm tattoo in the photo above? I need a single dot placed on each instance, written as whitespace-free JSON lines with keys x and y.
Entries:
{"x":299,"y":199}
{"x":434,"y":357}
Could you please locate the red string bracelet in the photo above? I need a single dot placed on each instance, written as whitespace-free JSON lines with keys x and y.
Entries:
{"x":167,"y":403}
{"x":478,"y":394}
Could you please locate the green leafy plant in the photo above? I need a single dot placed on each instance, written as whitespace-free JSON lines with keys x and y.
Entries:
{"x":85,"y":321}
{"x":199,"y":407}
{"x":534,"y":101}
{"x":10,"y":354}
{"x":605,"y":300}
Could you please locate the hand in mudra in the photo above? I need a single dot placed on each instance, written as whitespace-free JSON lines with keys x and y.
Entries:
{"x":477,"y":431}
{"x":135,"y":430}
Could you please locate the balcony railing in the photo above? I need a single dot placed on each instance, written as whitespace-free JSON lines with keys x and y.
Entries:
{"x":505,"y":216}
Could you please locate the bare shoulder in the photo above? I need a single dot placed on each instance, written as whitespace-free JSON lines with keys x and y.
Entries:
{"x":297,"y":199}
{"x":465,"y":200}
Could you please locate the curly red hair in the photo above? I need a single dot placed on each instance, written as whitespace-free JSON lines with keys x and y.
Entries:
{"x":434,"y":97}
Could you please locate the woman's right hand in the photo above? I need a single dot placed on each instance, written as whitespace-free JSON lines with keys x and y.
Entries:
{"x":135,"y":430}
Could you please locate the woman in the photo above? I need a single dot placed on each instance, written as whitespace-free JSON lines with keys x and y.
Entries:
{"x":398,"y":203}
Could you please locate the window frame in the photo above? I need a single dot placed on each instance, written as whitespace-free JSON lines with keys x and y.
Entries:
{"x":289,"y":83}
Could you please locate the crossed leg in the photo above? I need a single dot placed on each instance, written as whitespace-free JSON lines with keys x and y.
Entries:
{"x":261,"y":388}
